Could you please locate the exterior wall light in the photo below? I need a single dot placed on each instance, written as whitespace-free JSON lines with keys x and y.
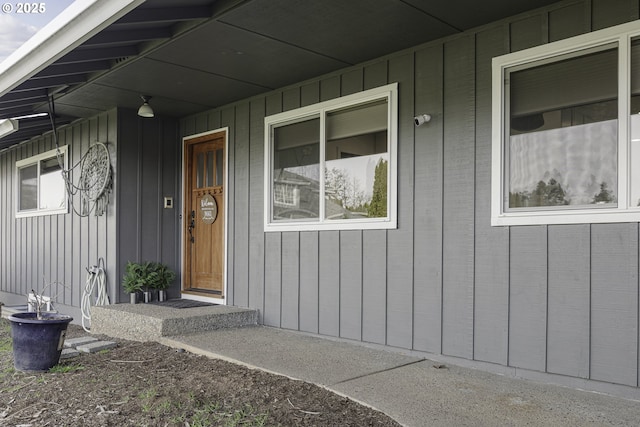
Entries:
{"x":145,"y":109}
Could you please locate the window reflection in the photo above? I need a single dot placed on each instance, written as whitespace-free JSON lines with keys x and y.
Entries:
{"x":356,"y":168}
{"x":200,"y":173}
{"x":296,"y":171}
{"x":52,"y":188}
{"x":562,"y":149}
{"x":29,"y":188}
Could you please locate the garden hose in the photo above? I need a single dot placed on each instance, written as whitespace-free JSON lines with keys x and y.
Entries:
{"x":96,"y":284}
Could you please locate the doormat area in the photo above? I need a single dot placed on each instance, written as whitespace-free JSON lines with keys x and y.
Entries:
{"x":183,"y":303}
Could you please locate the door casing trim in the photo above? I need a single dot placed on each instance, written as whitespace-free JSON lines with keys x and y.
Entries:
{"x":190,"y":296}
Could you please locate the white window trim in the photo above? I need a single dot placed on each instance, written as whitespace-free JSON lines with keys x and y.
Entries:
{"x":34,"y":160}
{"x":620,"y":35}
{"x":389,"y":91}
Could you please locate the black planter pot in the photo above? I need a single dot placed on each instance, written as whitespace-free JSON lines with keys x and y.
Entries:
{"x":37,"y":343}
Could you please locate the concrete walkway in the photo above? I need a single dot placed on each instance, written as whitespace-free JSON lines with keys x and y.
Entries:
{"x":414,"y":391}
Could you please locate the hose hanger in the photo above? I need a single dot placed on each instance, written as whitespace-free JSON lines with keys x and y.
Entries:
{"x":95,"y":181}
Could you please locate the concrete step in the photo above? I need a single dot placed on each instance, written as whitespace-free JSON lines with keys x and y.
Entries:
{"x":96,"y":346}
{"x":150,"y":322}
{"x":74,"y":346}
{"x":74,"y":342}
{"x":69,"y":353}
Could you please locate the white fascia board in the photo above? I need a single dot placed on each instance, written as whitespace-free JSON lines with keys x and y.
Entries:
{"x":73,"y":26}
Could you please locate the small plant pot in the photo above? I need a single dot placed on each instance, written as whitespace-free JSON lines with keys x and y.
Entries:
{"x":162,"y":295}
{"x":37,"y":343}
{"x":133,"y":297}
{"x":147,"y":296}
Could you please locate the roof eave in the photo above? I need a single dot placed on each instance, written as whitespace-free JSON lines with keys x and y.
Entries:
{"x":80,"y":21}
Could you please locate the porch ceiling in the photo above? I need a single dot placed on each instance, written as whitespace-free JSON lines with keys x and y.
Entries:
{"x":193,"y":55}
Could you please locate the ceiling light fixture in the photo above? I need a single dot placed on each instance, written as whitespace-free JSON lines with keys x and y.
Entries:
{"x":8,"y":126}
{"x":145,"y":109}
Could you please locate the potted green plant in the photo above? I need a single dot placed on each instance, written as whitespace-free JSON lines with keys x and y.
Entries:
{"x":38,"y":335}
{"x":146,"y":277}
{"x":161,"y":278}
{"x":135,"y":279}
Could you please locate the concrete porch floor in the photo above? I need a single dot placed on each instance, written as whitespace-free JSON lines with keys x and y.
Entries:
{"x":150,"y":322}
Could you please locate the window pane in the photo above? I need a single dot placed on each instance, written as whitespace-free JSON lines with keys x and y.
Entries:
{"x":562,"y":149}
{"x":28,"y":188}
{"x":210,"y":169}
{"x":296,"y":171}
{"x":200,"y":172}
{"x":52,"y":188}
{"x":634,"y":151}
{"x":219,"y":167}
{"x":356,"y":168}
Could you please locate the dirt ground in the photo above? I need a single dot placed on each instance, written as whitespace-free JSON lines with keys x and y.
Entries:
{"x":148,"y":384}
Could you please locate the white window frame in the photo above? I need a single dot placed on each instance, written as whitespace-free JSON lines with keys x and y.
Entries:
{"x":29,"y":162}
{"x":623,"y":212}
{"x":390,"y":92}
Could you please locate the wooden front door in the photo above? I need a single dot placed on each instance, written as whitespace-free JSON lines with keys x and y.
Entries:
{"x":204,"y":230}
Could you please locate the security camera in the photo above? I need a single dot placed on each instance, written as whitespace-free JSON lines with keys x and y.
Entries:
{"x":422,"y":119}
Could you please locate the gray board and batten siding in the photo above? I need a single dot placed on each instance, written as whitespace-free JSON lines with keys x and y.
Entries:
{"x":56,"y":248}
{"x":59,"y":248}
{"x":557,"y":299}
{"x":149,"y":171}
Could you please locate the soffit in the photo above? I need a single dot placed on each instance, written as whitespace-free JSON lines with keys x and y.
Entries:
{"x":193,"y":55}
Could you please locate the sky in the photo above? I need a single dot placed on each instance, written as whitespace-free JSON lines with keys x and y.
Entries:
{"x":17,"y":26}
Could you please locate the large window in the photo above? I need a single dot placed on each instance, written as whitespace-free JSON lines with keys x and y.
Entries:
{"x":332,"y":165}
{"x":40,"y":185}
{"x":566,"y":126}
